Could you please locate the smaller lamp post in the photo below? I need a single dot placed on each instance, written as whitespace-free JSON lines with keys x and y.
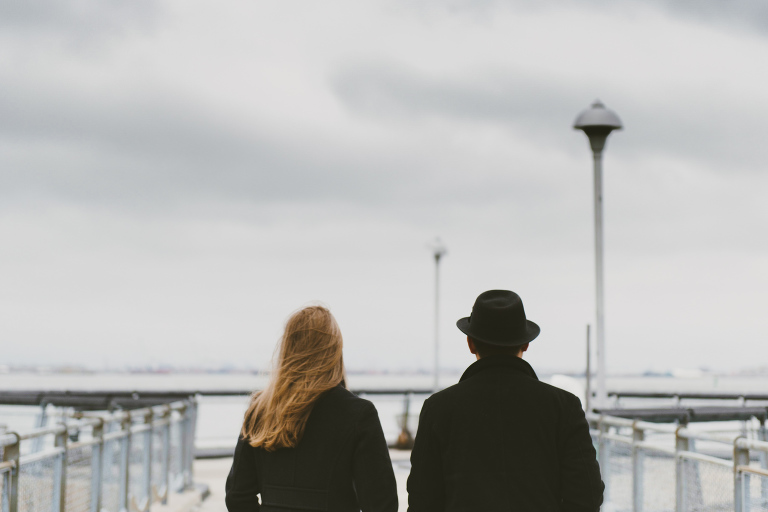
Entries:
{"x":438,"y":251}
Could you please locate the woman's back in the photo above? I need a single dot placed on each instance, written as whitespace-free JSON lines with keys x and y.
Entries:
{"x":306,"y":442}
{"x":341,"y":464}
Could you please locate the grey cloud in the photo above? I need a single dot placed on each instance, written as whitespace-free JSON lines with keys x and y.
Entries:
{"x":728,"y":131}
{"x":387,"y":90}
{"x":145,"y":149}
{"x":158,"y":150}
{"x":733,"y":14}
{"x":77,"y":18}
{"x":737,"y":13}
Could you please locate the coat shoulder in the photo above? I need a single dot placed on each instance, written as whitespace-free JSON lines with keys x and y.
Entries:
{"x":462,"y":390}
{"x":342,"y":398}
{"x":563,"y":395}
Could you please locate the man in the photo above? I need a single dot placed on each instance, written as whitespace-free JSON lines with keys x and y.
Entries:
{"x":500,"y":439}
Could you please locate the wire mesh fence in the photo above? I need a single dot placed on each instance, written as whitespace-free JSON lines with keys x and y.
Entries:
{"x":176,"y":470}
{"x":79,"y":479}
{"x":619,"y":486}
{"x":658,"y":489}
{"x":140,"y":450}
{"x":5,"y":476}
{"x":97,"y":463}
{"x":756,"y":492}
{"x":651,"y":467}
{"x":110,"y":479}
{"x":37,"y":491}
{"x":708,"y":486}
{"x":158,"y":472}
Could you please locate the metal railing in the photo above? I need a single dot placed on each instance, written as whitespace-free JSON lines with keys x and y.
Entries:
{"x":100,"y":462}
{"x":656,"y":467}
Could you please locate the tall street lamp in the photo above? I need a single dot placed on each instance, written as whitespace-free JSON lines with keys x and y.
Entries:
{"x":598,"y":122}
{"x":438,"y":250}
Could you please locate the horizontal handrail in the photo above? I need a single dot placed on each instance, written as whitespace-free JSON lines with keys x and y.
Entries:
{"x":117,"y":434}
{"x":648,"y":446}
{"x":689,"y":395}
{"x":609,"y":420}
{"x":614,"y":421}
{"x":617,"y":438}
{"x":683,"y":432}
{"x":142,"y":427}
{"x":83,"y":444}
{"x":701,"y":457}
{"x":36,"y":457}
{"x":660,"y":428}
{"x":9,"y":438}
{"x":752,"y":469}
{"x":44,"y":431}
{"x":705,"y":436}
{"x":752,"y":444}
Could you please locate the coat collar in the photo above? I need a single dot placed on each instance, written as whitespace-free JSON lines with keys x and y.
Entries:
{"x":513,"y":363}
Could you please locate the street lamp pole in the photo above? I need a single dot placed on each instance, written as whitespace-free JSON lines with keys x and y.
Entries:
{"x":438,"y":250}
{"x":597,"y":122}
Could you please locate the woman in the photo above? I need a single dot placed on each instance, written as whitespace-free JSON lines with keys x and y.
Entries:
{"x":307,"y":443}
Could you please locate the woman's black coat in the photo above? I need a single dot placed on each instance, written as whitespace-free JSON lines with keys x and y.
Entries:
{"x":500,"y":440}
{"x":341,"y":464}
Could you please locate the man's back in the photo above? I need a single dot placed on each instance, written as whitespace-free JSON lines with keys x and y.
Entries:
{"x":502,"y":440}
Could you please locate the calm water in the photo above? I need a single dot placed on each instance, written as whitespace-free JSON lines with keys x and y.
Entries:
{"x":219,"y":417}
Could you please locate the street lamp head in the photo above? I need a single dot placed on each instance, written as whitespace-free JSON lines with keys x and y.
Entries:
{"x":438,"y":249}
{"x":597,"y":122}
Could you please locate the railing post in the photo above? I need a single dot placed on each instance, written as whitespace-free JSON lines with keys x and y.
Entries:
{"x":97,"y":465}
{"x":40,"y":421}
{"x":181,"y":478}
{"x":681,"y":445}
{"x":147,"y":462}
{"x":60,"y":472}
{"x":603,"y":456}
{"x":762,"y":435}
{"x":11,"y":453}
{"x":190,"y":445}
{"x":638,"y":456}
{"x":166,"y":455}
{"x":741,"y":498}
{"x":125,"y":456}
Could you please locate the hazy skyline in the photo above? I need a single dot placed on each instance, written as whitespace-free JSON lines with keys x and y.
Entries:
{"x":177,"y":177}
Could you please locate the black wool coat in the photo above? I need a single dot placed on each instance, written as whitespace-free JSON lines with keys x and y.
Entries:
{"x":502,"y":440}
{"x":341,"y":464}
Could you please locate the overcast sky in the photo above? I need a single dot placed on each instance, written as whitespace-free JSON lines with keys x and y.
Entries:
{"x":176,"y":177}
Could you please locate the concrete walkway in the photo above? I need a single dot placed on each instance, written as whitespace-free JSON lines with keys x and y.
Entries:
{"x":213,"y":473}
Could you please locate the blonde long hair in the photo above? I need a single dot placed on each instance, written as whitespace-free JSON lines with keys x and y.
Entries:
{"x":309,"y":362}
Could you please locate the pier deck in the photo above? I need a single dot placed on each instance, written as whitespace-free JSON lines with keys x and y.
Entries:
{"x":213,"y":473}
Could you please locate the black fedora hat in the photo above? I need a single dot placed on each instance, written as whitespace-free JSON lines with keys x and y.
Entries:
{"x":498,"y":318}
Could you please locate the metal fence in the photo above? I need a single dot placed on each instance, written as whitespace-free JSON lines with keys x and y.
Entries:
{"x":94,"y":462}
{"x":651,"y":467}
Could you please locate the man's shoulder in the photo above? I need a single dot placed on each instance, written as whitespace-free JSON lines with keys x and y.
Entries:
{"x":560,"y":393}
{"x":469,"y":389}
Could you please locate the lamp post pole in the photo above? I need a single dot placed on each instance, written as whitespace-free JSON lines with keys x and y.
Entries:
{"x":438,"y":250}
{"x":597,"y":122}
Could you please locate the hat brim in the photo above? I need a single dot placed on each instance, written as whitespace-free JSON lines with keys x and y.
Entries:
{"x":532,"y":330}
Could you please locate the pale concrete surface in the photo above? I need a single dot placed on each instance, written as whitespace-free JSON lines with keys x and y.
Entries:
{"x":401,"y":461}
{"x":213,"y":473}
{"x":180,"y":502}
